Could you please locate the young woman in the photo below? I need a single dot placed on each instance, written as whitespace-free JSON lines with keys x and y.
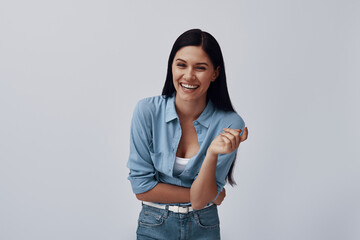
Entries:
{"x":183,"y":144}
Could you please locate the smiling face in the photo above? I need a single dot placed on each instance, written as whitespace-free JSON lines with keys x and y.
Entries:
{"x":192,"y":72}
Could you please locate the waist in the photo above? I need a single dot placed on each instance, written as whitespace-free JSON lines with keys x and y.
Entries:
{"x":173,"y":208}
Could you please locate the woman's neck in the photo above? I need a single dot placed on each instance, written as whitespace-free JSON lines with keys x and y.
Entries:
{"x":189,"y":110}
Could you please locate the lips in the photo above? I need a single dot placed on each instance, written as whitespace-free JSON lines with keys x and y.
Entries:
{"x":189,"y":86}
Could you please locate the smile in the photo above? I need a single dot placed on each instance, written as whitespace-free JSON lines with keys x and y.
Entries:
{"x":188,"y":86}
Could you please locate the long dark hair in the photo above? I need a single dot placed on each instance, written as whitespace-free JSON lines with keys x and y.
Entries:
{"x":217,"y":92}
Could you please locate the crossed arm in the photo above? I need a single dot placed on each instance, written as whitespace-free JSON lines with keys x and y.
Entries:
{"x":204,"y":188}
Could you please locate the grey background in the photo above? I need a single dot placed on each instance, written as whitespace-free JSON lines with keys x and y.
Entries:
{"x":71,"y":73}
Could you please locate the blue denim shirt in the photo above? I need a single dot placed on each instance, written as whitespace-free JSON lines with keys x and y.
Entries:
{"x":154,"y":137}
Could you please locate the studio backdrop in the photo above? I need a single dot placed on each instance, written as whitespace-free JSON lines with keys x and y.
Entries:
{"x":71,"y":73}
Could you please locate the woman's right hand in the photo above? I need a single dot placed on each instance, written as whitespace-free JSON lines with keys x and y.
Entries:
{"x":220,"y":198}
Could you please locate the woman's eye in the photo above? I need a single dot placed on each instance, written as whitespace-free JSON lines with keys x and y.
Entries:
{"x":181,"y":65}
{"x":201,"y":68}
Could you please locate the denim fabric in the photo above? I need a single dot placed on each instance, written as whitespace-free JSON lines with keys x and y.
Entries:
{"x":154,"y":138}
{"x":162,"y":224}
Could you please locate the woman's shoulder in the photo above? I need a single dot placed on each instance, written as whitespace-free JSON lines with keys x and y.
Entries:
{"x":232,"y":119}
{"x":149,"y":105}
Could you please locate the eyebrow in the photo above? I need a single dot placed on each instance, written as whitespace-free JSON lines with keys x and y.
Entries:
{"x":200,"y":63}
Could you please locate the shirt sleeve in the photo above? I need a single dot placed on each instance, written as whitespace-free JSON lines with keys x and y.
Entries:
{"x":142,"y":173}
{"x":225,"y":160}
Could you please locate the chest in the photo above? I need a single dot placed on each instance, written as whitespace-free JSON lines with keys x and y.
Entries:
{"x":189,"y":144}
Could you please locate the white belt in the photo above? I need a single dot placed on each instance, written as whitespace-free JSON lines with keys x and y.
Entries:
{"x":173,"y":208}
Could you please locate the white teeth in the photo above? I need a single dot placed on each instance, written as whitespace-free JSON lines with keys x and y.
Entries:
{"x":188,"y":86}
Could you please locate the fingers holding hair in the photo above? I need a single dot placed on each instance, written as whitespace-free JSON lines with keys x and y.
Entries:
{"x":245,"y":135}
{"x":235,"y":133}
{"x":229,"y":139}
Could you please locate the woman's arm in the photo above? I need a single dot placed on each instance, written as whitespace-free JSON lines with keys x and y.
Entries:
{"x":204,"y":188}
{"x":166,"y":193}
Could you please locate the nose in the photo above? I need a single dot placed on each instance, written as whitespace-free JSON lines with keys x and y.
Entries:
{"x":189,"y":74}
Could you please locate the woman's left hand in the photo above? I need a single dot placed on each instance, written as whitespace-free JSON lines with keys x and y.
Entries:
{"x":227,"y":141}
{"x":245,"y":135}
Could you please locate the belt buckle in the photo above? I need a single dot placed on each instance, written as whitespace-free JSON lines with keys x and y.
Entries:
{"x":182,"y":209}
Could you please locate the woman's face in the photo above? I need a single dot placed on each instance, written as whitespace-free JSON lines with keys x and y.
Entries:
{"x":192,"y":72}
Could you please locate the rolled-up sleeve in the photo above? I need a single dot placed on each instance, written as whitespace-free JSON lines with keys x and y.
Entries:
{"x":222,"y":169}
{"x":226,"y":160}
{"x":142,"y":173}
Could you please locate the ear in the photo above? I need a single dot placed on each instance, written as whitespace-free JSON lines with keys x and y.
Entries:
{"x":216,"y":74}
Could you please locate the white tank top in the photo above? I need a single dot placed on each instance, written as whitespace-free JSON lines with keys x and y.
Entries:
{"x":180,"y":164}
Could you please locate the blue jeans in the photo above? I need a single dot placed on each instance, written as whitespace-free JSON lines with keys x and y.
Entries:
{"x":162,"y":224}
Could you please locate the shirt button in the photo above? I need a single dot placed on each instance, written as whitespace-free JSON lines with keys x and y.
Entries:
{"x":195,"y":122}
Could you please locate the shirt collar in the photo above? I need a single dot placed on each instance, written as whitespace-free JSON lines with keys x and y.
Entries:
{"x":170,"y":109}
{"x":204,"y":118}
